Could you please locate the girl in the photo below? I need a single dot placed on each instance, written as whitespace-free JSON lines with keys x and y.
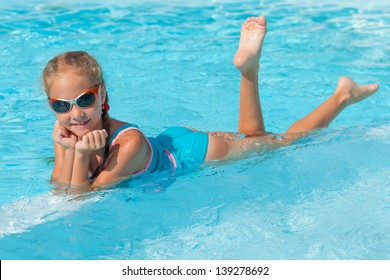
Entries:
{"x":93,"y":150}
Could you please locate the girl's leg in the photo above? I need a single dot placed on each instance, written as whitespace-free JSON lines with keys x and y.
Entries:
{"x":347,"y":92}
{"x":221,"y":149}
{"x":246,"y":59}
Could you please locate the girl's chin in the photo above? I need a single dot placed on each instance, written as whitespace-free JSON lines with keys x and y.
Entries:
{"x":79,"y":132}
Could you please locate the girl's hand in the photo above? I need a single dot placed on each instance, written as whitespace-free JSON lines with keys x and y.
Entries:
{"x":92,"y":141}
{"x":63,"y":136}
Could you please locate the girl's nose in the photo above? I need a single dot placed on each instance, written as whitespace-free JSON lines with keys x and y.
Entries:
{"x":76,"y":111}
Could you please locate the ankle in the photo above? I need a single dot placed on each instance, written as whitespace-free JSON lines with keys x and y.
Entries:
{"x":250,"y":73}
{"x":342,"y":97}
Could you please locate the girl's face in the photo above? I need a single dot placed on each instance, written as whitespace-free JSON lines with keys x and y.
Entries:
{"x":79,"y":121}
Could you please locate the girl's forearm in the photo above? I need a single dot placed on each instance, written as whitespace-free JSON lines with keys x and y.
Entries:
{"x":66,"y":169}
{"x":80,"y":170}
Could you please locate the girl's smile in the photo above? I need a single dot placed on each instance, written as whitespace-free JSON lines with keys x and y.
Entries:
{"x":83,"y":124}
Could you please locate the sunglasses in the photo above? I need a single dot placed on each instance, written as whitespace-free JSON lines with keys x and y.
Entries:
{"x":84,"y":100}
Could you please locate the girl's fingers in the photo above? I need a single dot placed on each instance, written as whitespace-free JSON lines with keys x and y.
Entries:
{"x":64,"y":137}
{"x":100,"y":138}
{"x":88,"y":139}
{"x":95,"y":139}
{"x":83,"y":145}
{"x":103,"y":136}
{"x":59,"y":134}
{"x":64,"y":132}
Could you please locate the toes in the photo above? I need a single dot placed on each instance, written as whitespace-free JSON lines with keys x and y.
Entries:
{"x":371,"y":88}
{"x":261,"y":20}
{"x":252,"y":25}
{"x":255,"y":23}
{"x":249,"y":20}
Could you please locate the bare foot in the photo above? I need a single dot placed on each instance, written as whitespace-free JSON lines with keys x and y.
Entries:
{"x":353,"y":92}
{"x":251,"y":40}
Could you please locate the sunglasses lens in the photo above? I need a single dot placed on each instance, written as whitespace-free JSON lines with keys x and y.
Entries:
{"x":61,"y":106}
{"x":86,"y":100}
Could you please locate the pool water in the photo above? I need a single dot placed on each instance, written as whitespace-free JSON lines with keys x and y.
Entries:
{"x":170,"y":63}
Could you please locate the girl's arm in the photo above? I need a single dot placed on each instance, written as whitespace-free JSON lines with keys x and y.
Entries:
{"x":93,"y":141}
{"x":63,"y":165}
{"x":130,"y":154}
{"x":64,"y":143}
{"x":59,"y":159}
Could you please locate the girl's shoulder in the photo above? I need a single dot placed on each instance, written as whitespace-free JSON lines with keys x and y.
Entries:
{"x":122,"y":131}
{"x":117,"y":124}
{"x":128,"y":142}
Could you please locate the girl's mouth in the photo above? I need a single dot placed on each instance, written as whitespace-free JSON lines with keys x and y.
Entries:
{"x":83,"y":124}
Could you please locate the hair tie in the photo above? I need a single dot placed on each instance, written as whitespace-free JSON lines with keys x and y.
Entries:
{"x":105,"y":107}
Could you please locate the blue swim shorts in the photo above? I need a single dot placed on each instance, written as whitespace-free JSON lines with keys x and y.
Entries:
{"x":188,"y":147}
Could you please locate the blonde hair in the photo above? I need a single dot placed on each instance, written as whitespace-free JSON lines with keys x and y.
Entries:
{"x":79,"y":62}
{"x":82,"y":64}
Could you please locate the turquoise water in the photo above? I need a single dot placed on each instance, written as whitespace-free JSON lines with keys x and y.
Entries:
{"x":169,"y":63}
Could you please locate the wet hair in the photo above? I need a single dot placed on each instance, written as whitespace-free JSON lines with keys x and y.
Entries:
{"x":83,"y":64}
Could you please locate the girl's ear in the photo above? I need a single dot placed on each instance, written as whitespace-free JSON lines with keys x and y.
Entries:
{"x":103,"y":91}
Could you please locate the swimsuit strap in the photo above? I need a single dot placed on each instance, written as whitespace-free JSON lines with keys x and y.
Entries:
{"x":122,"y":129}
